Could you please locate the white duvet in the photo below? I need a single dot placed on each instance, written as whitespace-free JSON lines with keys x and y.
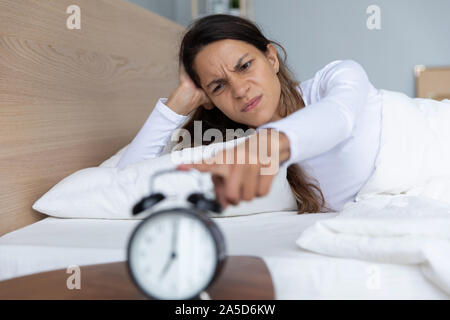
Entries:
{"x":402,"y":214}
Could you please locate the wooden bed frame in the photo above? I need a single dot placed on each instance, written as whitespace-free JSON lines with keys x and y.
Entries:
{"x":69,"y":99}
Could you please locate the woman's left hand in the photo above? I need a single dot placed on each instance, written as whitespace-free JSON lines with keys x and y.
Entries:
{"x":248,"y":170}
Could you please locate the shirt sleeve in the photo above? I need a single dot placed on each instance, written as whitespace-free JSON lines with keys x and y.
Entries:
{"x":154,"y":134}
{"x":320,"y":126}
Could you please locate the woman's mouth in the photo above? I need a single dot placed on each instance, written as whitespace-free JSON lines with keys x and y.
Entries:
{"x":252,"y":104}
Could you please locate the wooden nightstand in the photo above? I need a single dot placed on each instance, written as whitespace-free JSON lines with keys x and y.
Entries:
{"x":243,"y":278}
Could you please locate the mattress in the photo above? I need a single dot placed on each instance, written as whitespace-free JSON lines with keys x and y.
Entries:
{"x":55,"y":243}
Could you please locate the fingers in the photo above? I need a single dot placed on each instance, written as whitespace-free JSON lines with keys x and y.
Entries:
{"x":233,"y":184}
{"x":264,"y":184}
{"x":182,"y":73}
{"x":246,"y":183}
{"x":250,"y":183}
{"x":219,"y":188}
{"x":188,"y":166}
{"x":217,"y":169}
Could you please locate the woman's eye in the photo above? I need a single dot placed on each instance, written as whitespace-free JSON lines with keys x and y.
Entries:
{"x":248,"y":63}
{"x":217,"y":88}
{"x":243,"y":67}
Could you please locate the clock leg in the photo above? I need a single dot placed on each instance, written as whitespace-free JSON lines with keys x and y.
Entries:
{"x":204,"y":296}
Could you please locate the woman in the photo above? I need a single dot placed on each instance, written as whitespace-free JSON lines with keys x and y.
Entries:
{"x":328,"y":126}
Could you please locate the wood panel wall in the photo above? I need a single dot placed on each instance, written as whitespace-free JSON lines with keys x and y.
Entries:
{"x":69,"y":99}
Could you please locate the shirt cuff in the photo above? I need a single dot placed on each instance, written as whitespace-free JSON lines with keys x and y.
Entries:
{"x":169,"y":113}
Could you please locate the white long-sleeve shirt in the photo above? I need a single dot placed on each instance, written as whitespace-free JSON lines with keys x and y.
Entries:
{"x":335,"y":137}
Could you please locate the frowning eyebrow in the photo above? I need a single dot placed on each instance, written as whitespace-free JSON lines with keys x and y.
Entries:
{"x":235,"y":68}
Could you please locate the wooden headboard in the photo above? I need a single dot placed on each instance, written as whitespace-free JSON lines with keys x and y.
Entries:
{"x":70,"y":98}
{"x":432,"y":83}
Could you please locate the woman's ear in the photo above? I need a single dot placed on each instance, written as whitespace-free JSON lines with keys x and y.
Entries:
{"x":272,"y":56}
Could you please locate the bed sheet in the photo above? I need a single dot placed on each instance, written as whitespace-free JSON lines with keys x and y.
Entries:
{"x":55,"y":243}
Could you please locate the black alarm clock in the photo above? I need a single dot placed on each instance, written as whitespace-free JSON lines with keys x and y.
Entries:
{"x":176,"y":253}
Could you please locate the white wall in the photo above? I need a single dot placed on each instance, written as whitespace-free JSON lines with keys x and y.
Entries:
{"x":165,"y":8}
{"x":315,"y":32}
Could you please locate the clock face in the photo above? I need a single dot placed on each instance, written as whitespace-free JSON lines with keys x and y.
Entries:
{"x":172,"y":255}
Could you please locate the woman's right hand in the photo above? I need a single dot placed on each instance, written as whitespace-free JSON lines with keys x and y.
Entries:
{"x":187,"y":97}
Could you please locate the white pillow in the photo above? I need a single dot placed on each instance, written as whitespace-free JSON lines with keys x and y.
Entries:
{"x":109,"y":193}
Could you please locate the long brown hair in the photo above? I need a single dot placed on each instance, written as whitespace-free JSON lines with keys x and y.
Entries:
{"x":217,"y":27}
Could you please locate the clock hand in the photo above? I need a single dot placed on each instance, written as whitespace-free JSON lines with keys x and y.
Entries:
{"x":168,"y":264}
{"x":174,"y":236}
{"x":173,"y":255}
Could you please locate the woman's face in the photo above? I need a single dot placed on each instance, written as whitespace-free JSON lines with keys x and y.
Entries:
{"x":233,"y":72}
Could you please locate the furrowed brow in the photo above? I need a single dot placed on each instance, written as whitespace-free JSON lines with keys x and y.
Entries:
{"x":235,"y":68}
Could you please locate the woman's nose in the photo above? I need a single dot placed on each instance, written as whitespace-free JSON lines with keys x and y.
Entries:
{"x":240,"y":87}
